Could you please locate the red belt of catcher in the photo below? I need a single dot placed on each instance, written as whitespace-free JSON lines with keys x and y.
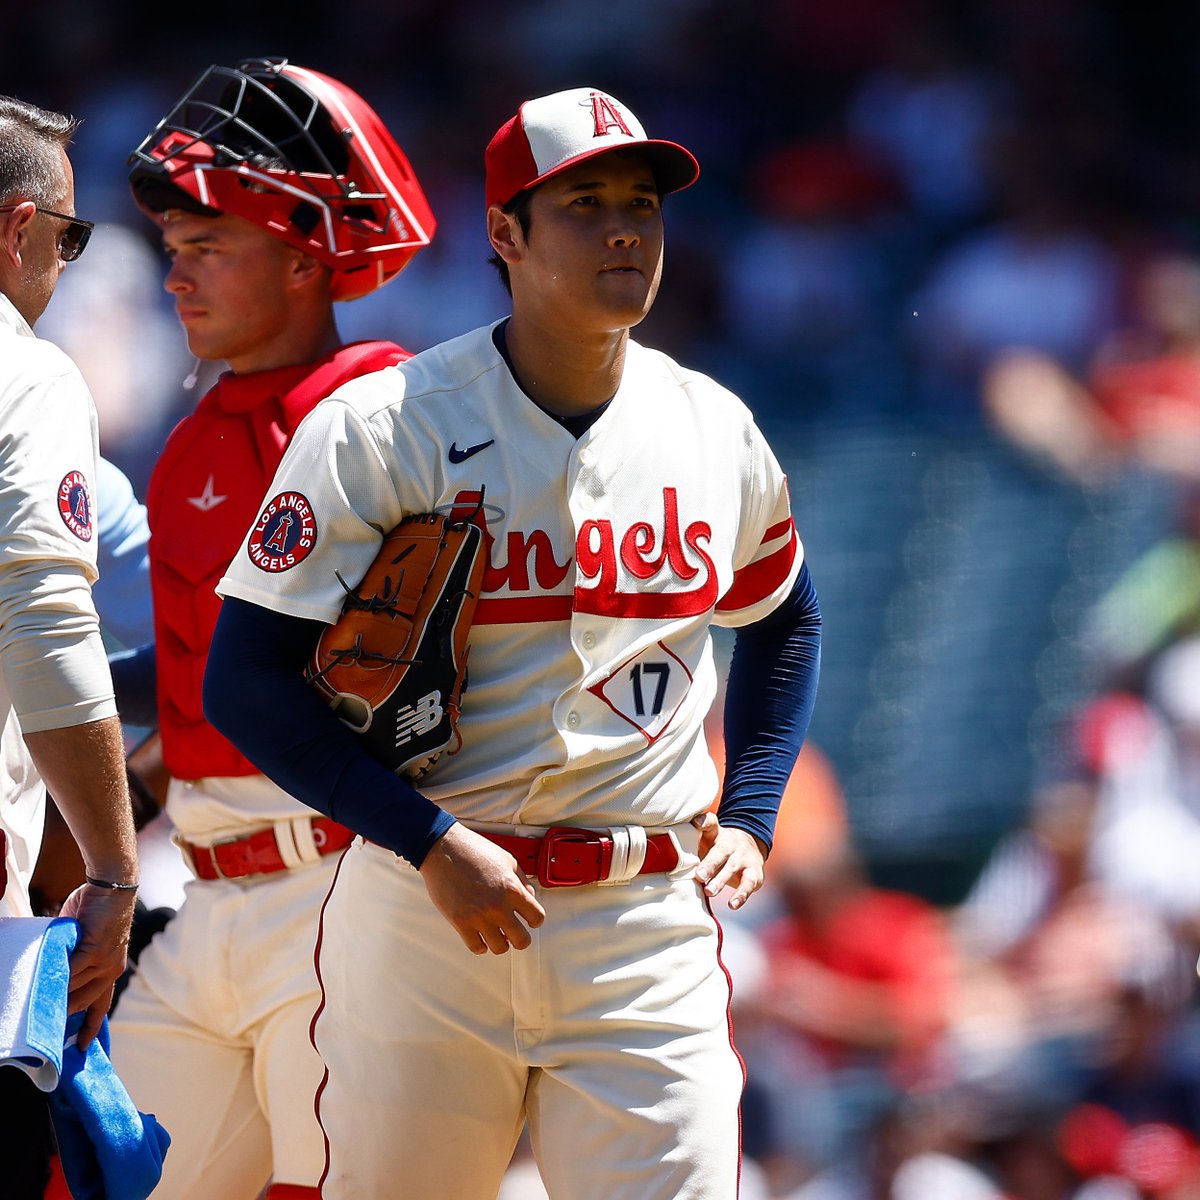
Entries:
{"x":565,"y":856}
{"x":259,"y":853}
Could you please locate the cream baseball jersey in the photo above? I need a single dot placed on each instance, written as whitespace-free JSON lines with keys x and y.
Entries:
{"x":53,"y":669}
{"x":610,"y":555}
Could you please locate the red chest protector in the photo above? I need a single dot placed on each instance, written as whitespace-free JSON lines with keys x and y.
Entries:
{"x":207,"y":487}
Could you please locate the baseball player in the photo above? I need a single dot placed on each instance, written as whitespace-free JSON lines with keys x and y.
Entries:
{"x":58,"y":719}
{"x":628,"y":504}
{"x":278,"y":191}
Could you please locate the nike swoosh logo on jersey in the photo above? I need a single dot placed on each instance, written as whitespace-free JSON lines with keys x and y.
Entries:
{"x":457,"y":455}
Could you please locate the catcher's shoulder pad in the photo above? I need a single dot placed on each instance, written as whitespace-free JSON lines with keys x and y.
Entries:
{"x":393,"y":666}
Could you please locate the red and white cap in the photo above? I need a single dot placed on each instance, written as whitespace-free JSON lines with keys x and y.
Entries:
{"x":552,"y":133}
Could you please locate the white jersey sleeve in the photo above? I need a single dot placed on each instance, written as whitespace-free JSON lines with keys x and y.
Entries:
{"x":51,"y":654}
{"x":768,"y":553}
{"x":331,"y":502}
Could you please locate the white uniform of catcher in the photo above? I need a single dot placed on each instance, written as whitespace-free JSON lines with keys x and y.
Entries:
{"x":590,"y":673}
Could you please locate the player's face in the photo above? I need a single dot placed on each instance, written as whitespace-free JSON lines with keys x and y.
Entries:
{"x":41,"y":263}
{"x":232,"y":284}
{"x":593,"y":257}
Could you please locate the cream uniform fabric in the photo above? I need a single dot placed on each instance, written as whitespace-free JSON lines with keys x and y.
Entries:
{"x":591,"y":671}
{"x":53,"y":670}
{"x":591,"y":665}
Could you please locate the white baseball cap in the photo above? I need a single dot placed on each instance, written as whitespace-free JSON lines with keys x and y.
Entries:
{"x":552,"y":133}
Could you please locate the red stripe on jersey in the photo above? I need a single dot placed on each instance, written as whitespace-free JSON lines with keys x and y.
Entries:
{"x":777,"y":530}
{"x":532,"y":610}
{"x":760,"y":578}
{"x":654,"y":606}
{"x":522,"y":610}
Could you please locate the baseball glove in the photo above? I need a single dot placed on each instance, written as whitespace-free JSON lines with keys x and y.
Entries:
{"x":394,"y":664}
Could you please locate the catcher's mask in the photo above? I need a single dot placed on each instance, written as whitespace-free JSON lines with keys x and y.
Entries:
{"x":298,"y":154}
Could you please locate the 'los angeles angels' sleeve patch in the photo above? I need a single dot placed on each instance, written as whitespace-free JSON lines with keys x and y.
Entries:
{"x":75,"y":505}
{"x":284,"y":534}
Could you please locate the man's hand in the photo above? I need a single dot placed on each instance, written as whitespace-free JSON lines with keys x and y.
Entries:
{"x":83,"y":767}
{"x":100,"y":955}
{"x":477,"y":887}
{"x":729,"y":858}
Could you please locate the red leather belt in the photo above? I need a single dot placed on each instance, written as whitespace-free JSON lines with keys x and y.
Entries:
{"x":566,"y":857}
{"x":258,"y":853}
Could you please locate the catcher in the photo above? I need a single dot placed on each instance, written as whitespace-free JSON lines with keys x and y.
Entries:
{"x":277,"y":192}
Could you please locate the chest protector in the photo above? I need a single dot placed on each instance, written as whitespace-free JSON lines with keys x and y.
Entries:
{"x":206,"y":490}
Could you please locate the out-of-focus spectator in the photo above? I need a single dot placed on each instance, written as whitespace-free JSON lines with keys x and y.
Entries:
{"x":1119,"y":1160}
{"x":857,"y":992}
{"x":1052,"y":947}
{"x":806,"y":283}
{"x":929,"y":115}
{"x":1147,"y":839}
{"x":1029,"y":871}
{"x":1136,"y":402}
{"x":921,"y":1149}
{"x":1039,"y":278}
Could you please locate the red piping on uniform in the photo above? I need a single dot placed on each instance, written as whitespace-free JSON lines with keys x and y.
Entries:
{"x":312,"y":1026}
{"x":729,"y":1022}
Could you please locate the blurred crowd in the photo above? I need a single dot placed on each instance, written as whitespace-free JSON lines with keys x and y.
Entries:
{"x":974,"y":219}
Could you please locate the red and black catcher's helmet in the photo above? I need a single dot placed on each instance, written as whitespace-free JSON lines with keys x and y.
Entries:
{"x":300,"y":155}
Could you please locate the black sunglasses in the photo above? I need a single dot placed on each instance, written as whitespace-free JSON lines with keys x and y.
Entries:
{"x":73,"y":238}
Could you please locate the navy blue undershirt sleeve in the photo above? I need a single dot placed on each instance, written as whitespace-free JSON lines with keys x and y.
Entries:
{"x":256,"y":695}
{"x":769,"y":699}
{"x":135,"y":684}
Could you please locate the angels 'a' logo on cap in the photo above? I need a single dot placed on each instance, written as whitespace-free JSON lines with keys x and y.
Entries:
{"x":607,"y":116}
{"x":284,"y":534}
{"x":75,"y":505}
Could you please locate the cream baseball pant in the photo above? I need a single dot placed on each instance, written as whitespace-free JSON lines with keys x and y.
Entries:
{"x":610,"y":1034}
{"x":212,"y":1035}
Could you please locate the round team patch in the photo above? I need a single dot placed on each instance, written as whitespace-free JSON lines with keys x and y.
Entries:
{"x":75,"y":505}
{"x":284,"y":534}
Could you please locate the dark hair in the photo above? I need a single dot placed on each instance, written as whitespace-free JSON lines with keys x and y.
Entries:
{"x":519,"y":207}
{"x":29,"y":168}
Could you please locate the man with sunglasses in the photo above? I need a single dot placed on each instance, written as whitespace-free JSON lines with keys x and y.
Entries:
{"x":74,"y":235}
{"x":58,"y":723}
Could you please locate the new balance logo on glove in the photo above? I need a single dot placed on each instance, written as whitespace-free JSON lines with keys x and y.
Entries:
{"x":418,"y":718}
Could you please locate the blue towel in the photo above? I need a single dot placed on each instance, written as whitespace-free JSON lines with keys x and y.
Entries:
{"x":34,"y":976}
{"x":109,"y":1150}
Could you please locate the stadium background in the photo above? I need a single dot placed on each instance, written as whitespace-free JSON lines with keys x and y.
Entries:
{"x":956,"y":576}
{"x":895,"y":195}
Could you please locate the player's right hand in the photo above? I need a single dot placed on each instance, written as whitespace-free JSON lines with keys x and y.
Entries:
{"x":477,"y":887}
{"x":99,"y":957}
